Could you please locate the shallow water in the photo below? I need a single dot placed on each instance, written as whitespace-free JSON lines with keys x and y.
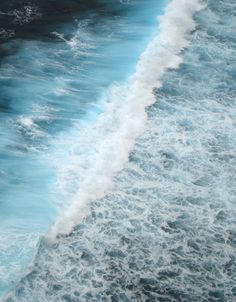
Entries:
{"x":165,"y":231}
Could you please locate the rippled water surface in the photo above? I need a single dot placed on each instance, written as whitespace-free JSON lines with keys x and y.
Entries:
{"x":166,"y":230}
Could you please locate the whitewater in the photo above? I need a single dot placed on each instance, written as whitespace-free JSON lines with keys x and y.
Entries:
{"x":124,"y":117}
{"x":130,"y":159}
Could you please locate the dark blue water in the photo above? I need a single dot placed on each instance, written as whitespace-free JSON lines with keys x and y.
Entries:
{"x":151,"y":219}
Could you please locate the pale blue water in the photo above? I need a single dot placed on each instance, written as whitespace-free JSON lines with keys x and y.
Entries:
{"x":166,"y":231}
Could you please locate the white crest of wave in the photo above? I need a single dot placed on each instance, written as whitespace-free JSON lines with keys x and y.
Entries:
{"x":108,"y":142}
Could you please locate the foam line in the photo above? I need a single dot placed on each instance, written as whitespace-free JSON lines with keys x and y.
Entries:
{"x":113,"y":135}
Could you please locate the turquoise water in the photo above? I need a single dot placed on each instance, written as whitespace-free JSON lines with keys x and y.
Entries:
{"x":142,"y":205}
{"x":48,"y":87}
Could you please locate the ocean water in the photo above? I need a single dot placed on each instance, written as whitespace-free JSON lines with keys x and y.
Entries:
{"x":118,"y":159}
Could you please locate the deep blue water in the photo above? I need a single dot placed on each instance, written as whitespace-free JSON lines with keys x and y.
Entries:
{"x":101,"y":201}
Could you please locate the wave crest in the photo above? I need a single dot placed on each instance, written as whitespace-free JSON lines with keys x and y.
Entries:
{"x":108,"y":142}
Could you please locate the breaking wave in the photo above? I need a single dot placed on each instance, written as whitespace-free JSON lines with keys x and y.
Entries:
{"x":146,"y":179}
{"x":100,"y":151}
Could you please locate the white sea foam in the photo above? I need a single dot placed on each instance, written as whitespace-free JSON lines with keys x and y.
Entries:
{"x":81,"y":42}
{"x":101,"y":150}
{"x":27,"y":125}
